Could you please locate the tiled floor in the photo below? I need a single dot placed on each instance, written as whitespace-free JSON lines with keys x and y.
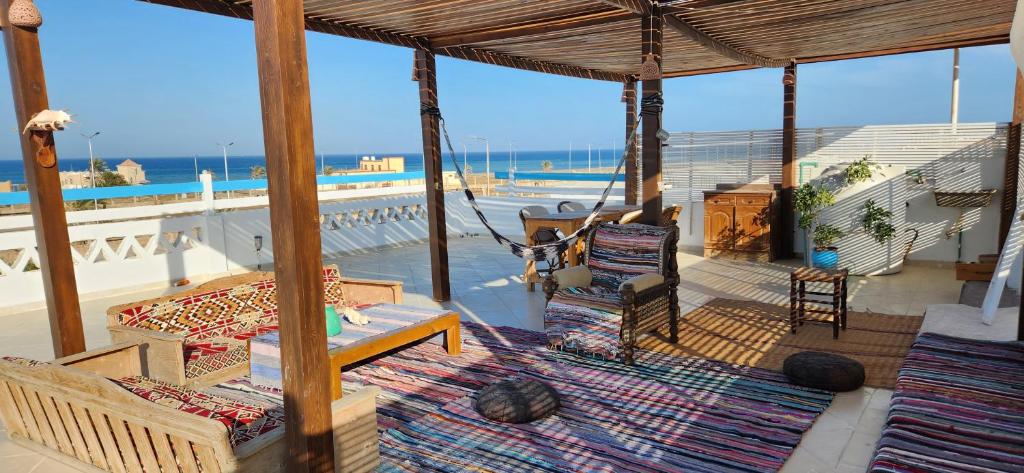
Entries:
{"x":486,"y":288}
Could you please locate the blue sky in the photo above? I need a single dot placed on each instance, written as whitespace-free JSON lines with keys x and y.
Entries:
{"x":160,"y":81}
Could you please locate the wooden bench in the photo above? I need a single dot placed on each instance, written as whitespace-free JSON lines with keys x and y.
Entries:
{"x":224,"y":313}
{"x":69,"y":410}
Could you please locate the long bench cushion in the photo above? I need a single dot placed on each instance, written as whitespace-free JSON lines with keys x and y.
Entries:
{"x":206,"y":315}
{"x":207,"y":356}
{"x":586,"y":320}
{"x":244,"y":419}
{"x":958,"y":407}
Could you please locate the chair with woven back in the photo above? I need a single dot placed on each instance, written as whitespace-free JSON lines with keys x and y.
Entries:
{"x":626,"y":286}
{"x":541,"y":236}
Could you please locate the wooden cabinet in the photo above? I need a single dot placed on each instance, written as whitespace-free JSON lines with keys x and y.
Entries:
{"x":739,"y":224}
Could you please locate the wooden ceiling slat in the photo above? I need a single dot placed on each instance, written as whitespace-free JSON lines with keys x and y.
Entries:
{"x":601,"y":38}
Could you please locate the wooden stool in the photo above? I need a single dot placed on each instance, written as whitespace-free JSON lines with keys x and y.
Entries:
{"x":798,"y":293}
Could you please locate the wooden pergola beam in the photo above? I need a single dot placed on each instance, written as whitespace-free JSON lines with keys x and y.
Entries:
{"x":986,"y":41}
{"x":28,"y":85}
{"x":517,"y":31}
{"x":426,"y":74}
{"x":294,"y":226}
{"x":789,"y":171}
{"x":652,"y":31}
{"x":396,"y":39}
{"x":629,"y":96}
{"x":721,"y":47}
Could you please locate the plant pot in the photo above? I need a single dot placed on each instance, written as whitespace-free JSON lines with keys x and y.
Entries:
{"x":825,"y":258}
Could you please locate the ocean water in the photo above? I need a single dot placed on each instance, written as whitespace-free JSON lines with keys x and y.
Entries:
{"x":166,"y":170}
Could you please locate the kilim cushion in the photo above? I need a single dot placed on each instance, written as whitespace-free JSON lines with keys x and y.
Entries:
{"x":517,"y":401}
{"x":244,"y":420}
{"x":619,"y":252}
{"x":586,"y":320}
{"x":22,"y":361}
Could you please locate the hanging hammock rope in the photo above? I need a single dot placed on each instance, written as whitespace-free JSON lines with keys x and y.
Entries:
{"x":547,"y":251}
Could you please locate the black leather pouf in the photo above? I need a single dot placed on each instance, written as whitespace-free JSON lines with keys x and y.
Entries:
{"x":517,"y":401}
{"x":826,"y":371}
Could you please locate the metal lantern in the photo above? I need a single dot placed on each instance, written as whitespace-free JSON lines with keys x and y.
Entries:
{"x":650,"y":70}
{"x":24,"y":13}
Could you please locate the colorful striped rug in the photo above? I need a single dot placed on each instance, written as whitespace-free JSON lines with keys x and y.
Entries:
{"x":958,"y":407}
{"x":666,"y":413}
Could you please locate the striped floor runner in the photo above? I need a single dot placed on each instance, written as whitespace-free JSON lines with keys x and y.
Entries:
{"x":667,"y":413}
{"x":958,"y":407}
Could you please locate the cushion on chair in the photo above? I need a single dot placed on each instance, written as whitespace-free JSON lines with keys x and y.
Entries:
{"x":517,"y":401}
{"x":245,"y":420}
{"x":826,"y":371}
{"x":586,"y":320}
{"x":619,"y":252}
{"x":574,"y":276}
{"x":642,"y":282}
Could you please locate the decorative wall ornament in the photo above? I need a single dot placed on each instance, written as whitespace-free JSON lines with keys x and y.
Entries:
{"x":47,"y":120}
{"x":650,"y":70}
{"x":24,"y":13}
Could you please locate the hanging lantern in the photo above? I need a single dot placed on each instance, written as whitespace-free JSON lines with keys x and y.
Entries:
{"x":650,"y":70}
{"x":24,"y":13}
{"x":788,"y":78}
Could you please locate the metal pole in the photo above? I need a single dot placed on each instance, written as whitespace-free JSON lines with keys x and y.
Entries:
{"x":487,"y":151}
{"x":92,"y":167}
{"x":589,"y":169}
{"x":570,"y":156}
{"x":195,"y":162}
{"x":954,"y":106}
{"x":227,"y":177}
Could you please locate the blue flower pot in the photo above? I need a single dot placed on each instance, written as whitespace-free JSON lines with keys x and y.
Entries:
{"x":827,"y":258}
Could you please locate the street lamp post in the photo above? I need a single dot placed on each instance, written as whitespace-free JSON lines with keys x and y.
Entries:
{"x":487,"y":156}
{"x":224,"y":148}
{"x":92,"y":167}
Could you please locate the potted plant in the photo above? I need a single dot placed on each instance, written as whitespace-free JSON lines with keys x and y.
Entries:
{"x":808,"y":201}
{"x":825,"y":255}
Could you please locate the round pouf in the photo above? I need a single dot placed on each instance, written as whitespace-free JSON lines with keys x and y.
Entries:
{"x":517,"y":401}
{"x":826,"y":371}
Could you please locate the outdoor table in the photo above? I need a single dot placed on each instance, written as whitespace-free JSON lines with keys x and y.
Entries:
{"x":567,"y":222}
{"x":391,"y":326}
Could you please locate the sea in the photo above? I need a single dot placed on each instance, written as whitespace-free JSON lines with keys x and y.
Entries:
{"x":168,"y":170}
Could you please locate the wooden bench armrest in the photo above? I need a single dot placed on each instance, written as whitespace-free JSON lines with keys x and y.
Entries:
{"x":162,"y":353}
{"x":120,"y":360}
{"x":371,"y":291}
{"x":354,"y":421}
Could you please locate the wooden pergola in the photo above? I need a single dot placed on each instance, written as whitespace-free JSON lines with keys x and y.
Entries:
{"x":593,"y":39}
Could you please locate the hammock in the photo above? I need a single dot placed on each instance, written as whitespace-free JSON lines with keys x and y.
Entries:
{"x":547,"y":251}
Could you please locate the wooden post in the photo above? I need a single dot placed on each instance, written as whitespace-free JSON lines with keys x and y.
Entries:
{"x":28,"y":85}
{"x":426,"y":75}
{"x":294,"y":225}
{"x":651,"y":116}
{"x":629,"y":96}
{"x":1011,"y":168}
{"x":788,"y":161}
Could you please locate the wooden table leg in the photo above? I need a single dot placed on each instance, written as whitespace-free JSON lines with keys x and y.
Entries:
{"x":453,"y":340}
{"x":836,"y":314}
{"x":843,"y":302}
{"x":335,"y":379}
{"x":530,"y":269}
{"x":792,"y":303}
{"x":803,"y":296}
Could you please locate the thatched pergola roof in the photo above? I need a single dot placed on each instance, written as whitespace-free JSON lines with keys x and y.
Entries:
{"x":600,"y":39}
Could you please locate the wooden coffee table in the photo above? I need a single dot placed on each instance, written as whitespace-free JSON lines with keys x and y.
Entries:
{"x":391,"y":326}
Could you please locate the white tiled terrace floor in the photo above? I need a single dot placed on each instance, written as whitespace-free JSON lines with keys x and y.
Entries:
{"x":486,"y":288}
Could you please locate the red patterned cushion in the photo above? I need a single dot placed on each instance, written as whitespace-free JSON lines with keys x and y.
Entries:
{"x":245,"y":421}
{"x":22,"y":361}
{"x":207,"y":356}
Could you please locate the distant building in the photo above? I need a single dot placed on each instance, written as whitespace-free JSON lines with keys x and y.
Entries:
{"x":132,"y":172}
{"x":6,"y":186}
{"x":385,"y":164}
{"x":74,"y":179}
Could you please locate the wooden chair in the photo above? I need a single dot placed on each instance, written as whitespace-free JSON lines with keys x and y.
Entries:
{"x":670,"y":215}
{"x":542,"y":236}
{"x":570,"y":206}
{"x":72,"y":411}
{"x":644,"y":292}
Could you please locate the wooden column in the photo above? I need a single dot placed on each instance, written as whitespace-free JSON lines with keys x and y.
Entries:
{"x":629,"y":96}
{"x":294,"y":225}
{"x":1011,"y":168}
{"x":426,"y":75}
{"x":651,"y":117}
{"x":28,"y":85}
{"x":789,"y":177}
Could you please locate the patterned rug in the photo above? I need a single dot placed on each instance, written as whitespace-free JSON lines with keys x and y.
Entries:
{"x":958,"y":407}
{"x":757,"y":334}
{"x":667,"y":413}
